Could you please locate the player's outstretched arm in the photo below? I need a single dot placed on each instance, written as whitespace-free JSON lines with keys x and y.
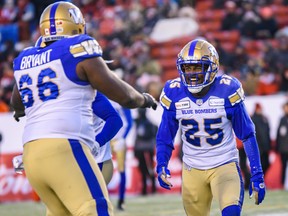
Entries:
{"x":103,"y":79}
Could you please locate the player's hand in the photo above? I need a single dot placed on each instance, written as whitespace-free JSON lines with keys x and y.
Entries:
{"x":18,"y":115}
{"x":149,"y":101}
{"x":164,"y":173}
{"x":258,"y":189}
{"x":18,"y":164}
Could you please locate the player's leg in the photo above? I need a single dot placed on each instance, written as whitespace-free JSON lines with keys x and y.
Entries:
{"x":88,"y":180}
{"x":143,"y":169}
{"x":151,"y":169}
{"x":228,"y":188}
{"x":119,"y":148}
{"x":35,"y":170}
{"x":107,"y":170}
{"x":121,"y":158}
{"x":70,"y":171}
{"x":196,"y":194}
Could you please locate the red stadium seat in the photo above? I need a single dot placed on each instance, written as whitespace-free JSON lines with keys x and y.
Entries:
{"x":210,"y":15}
{"x":212,"y":25}
{"x":204,"y":5}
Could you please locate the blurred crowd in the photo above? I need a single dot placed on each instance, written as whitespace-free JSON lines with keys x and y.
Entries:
{"x":122,"y":28}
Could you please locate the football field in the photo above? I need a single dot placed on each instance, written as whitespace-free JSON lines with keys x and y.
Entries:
{"x":275,"y":204}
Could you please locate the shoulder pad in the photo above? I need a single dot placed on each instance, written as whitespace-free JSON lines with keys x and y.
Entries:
{"x":85,"y":45}
{"x":233,"y":87}
{"x":27,"y":48}
{"x":164,"y":100}
{"x":171,"y":89}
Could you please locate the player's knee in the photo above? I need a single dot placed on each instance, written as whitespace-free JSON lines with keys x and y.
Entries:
{"x":232,"y":210}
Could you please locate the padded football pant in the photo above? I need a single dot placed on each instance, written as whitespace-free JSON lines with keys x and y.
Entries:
{"x":66,"y":177}
{"x":120,"y":154}
{"x":107,"y":170}
{"x":224,"y":183}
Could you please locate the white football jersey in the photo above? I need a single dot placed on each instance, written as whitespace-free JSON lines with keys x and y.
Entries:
{"x":57,"y":103}
{"x":104,"y":152}
{"x":207,"y":124}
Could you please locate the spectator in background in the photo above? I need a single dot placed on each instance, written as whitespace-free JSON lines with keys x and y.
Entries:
{"x":250,"y":82}
{"x":282,"y":141}
{"x":268,"y":83}
{"x":262,"y":135}
{"x":232,"y":17}
{"x":281,"y":54}
{"x":268,"y":26}
{"x":25,"y":18}
{"x":284,"y":80}
{"x":3,"y":105}
{"x":8,"y":12}
{"x":151,"y":18}
{"x":239,"y":59}
{"x":144,"y":149}
{"x":249,"y":21}
{"x":146,"y":63}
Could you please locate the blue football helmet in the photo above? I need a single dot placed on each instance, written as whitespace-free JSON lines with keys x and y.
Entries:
{"x":197,"y":64}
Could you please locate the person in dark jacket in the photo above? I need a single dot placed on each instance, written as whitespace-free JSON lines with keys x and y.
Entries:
{"x":145,"y":149}
{"x":282,"y":141}
{"x":262,"y":135}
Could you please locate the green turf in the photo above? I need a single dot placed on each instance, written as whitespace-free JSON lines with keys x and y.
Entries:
{"x":275,"y":204}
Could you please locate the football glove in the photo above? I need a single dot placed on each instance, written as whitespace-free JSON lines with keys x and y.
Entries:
{"x":149,"y":101}
{"x":258,"y":189}
{"x":18,"y":164}
{"x":164,"y":173}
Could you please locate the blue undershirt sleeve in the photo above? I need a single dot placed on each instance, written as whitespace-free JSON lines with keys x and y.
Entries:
{"x":129,"y":119}
{"x":245,"y":130}
{"x":165,"y":138}
{"x":104,"y":109}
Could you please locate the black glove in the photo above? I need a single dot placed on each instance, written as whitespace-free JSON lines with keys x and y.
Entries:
{"x":149,"y":101}
{"x":18,"y":115}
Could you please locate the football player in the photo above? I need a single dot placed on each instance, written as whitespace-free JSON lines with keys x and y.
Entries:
{"x":209,"y":110}
{"x":107,"y":123}
{"x":118,"y":144}
{"x":55,"y":87}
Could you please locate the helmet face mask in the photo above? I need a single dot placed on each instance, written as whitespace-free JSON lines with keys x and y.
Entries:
{"x":197,"y":64}
{"x":60,"y":20}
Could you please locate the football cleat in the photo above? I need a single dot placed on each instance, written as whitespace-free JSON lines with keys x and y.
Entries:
{"x":60,"y":20}
{"x":197,"y":64}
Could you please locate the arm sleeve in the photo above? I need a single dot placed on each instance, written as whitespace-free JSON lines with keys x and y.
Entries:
{"x":104,"y":109}
{"x":165,"y":137}
{"x":129,"y":119}
{"x":245,"y":130}
{"x":252,"y":152}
